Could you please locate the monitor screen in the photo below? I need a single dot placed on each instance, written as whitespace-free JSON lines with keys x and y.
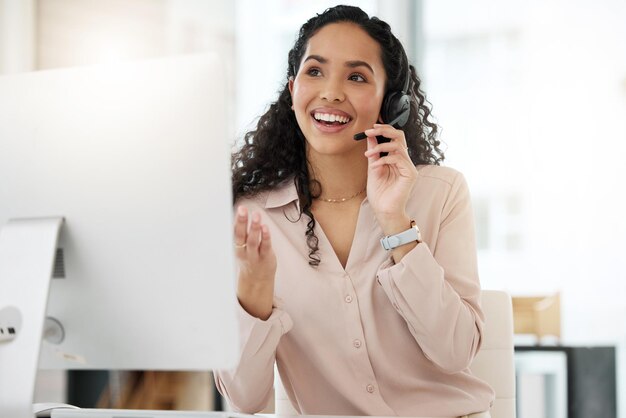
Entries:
{"x":135,"y":159}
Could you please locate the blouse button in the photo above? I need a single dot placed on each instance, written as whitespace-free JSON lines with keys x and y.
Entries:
{"x":348,"y":299}
{"x":357,"y":343}
{"x":370,"y":388}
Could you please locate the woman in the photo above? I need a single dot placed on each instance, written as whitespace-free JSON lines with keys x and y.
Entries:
{"x":356,"y":325}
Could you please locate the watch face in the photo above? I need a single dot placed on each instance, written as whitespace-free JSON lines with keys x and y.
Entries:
{"x":419,"y":234}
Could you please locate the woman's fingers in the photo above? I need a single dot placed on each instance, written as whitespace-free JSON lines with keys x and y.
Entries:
{"x":386,"y":147}
{"x":397,"y":146}
{"x":388,"y":131}
{"x":392,"y":159}
{"x":254,"y":235}
{"x":251,"y":241}
{"x":266,"y":243}
{"x":371,"y":144}
{"x":241,"y":231}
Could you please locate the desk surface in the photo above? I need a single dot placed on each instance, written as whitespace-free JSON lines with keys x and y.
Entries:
{"x":331,"y":416}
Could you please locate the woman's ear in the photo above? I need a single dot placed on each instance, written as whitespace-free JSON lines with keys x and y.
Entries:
{"x":380,"y":118}
{"x":291,"y":85}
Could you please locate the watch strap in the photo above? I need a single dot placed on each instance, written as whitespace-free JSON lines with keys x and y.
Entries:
{"x":390,"y":242}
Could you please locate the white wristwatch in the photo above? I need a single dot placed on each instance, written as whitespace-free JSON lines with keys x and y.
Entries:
{"x":392,"y":241}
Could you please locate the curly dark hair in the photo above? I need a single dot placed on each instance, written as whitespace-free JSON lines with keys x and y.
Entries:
{"x":276,"y":150}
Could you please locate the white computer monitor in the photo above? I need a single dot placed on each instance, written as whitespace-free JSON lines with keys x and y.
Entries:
{"x":134,"y":159}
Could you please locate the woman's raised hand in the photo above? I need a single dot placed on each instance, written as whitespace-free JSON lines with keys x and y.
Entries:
{"x":257,"y":264}
{"x":390,"y":178}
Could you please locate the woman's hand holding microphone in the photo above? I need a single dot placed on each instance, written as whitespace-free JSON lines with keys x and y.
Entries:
{"x":390,"y":180}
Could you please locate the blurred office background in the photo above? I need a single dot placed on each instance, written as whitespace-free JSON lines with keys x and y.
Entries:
{"x":531,"y":96}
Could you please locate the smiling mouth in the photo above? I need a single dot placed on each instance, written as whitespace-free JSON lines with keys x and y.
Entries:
{"x":329,"y":119}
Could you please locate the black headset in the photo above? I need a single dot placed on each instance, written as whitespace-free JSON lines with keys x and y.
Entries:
{"x":396,"y":106}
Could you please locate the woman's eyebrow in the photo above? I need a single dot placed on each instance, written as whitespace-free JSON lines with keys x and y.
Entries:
{"x":319,"y":58}
{"x":357,"y":63}
{"x":349,"y":64}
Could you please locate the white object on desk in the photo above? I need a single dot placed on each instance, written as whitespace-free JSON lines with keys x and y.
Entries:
{"x":44,"y":410}
{"x":136,"y":158}
{"x":136,"y":413}
{"x":27,"y":248}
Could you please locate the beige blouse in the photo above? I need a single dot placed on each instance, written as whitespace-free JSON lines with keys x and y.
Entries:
{"x":375,"y":338}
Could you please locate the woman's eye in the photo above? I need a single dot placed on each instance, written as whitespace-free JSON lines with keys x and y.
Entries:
{"x":356,"y":77}
{"x":314,"y":72}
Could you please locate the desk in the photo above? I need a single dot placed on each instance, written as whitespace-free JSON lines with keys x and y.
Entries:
{"x":590,"y":381}
{"x":328,"y":416}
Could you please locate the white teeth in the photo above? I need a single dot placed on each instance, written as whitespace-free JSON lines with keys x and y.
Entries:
{"x":327,"y":117}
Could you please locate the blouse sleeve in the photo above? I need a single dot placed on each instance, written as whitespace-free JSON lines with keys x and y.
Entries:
{"x":248,"y":387}
{"x":438,"y":293}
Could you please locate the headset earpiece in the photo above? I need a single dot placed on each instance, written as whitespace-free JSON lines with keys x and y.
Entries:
{"x":396,"y":106}
{"x":396,"y":109}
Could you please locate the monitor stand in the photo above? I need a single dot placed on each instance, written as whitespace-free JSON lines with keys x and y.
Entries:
{"x":27,"y":251}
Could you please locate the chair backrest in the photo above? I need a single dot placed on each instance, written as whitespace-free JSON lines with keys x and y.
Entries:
{"x":494,"y":363}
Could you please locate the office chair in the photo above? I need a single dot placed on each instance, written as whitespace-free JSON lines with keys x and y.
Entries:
{"x":494,"y":363}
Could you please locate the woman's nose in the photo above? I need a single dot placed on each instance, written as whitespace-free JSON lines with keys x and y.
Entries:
{"x":332,"y":91}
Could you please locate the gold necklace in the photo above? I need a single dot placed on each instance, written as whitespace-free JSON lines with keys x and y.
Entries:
{"x":342,"y":199}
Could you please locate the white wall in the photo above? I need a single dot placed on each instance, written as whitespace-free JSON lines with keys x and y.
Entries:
{"x":532,"y":102}
{"x":532,"y":99}
{"x":17,"y":32}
